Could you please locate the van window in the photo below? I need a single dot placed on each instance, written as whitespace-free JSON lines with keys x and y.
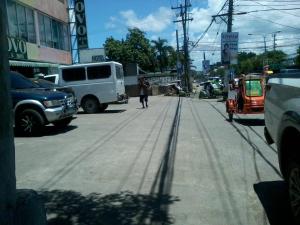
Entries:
{"x":119,"y":72}
{"x":73,"y":74}
{"x":98,"y":72}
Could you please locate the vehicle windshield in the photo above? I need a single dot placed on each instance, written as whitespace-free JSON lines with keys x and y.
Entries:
{"x":18,"y":81}
{"x":253,"y":88}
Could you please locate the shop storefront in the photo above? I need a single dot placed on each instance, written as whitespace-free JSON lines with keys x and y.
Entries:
{"x":38,"y":36}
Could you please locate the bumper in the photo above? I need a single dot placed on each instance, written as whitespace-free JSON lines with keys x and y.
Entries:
{"x":54,"y":114}
{"x":122,"y":98}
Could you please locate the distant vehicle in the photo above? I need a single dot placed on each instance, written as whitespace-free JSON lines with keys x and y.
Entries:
{"x":247,"y":97}
{"x":95,"y":84}
{"x":35,"y":107}
{"x":282,"y":119}
{"x":52,"y":86}
{"x":52,"y":78}
{"x":289,"y":70}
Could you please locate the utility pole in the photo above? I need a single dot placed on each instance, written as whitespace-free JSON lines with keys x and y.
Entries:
{"x":178,"y":59}
{"x":7,"y":150}
{"x":230,"y":13}
{"x":184,"y":20}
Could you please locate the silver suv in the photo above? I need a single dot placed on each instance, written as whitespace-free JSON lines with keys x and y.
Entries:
{"x":282,"y":119}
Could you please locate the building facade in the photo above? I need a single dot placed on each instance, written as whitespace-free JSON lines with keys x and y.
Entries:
{"x":38,"y":35}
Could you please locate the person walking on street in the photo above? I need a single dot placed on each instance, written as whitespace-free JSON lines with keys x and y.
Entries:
{"x":143,"y":91}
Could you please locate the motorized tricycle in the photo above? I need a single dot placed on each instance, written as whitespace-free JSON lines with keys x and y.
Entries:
{"x":246,"y":96}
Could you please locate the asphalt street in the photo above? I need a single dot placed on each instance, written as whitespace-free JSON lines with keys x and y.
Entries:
{"x":177,"y":162}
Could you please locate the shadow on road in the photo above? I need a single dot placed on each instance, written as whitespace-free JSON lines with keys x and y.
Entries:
{"x":274,"y":198}
{"x":49,"y":131}
{"x":70,"y":208}
{"x":250,"y":122}
{"x":108,"y":111}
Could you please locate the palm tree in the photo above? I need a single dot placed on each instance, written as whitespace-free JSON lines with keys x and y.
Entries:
{"x":161,"y":52}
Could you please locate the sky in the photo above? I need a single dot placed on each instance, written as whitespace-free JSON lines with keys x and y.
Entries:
{"x":155,"y":18}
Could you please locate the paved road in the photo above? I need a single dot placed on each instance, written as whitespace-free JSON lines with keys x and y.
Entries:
{"x":178,"y":162}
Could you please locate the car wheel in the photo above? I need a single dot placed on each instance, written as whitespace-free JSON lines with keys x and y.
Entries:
{"x":268,"y":138}
{"x":90,"y":105}
{"x":29,"y":122}
{"x":294,"y":189}
{"x":62,"y":123}
{"x":230,"y":117}
{"x":103,"y":107}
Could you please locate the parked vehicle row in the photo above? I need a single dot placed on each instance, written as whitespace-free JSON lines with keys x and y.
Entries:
{"x":39,"y":102}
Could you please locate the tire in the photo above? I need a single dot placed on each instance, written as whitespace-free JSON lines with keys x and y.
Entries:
{"x":90,"y":105}
{"x":63,"y":123}
{"x":268,"y":137}
{"x":29,"y":122}
{"x":230,"y":117}
{"x":294,"y":189}
{"x":103,"y":107}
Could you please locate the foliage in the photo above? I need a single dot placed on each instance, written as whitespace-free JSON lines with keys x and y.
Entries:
{"x":298,"y":57}
{"x":138,"y":49}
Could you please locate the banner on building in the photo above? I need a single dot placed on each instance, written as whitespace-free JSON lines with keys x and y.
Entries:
{"x":81,"y":30}
{"x":205,"y":66}
{"x":17,"y":48}
{"x":229,"y":48}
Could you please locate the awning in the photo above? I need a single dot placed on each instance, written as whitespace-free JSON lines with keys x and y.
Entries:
{"x":31,"y":64}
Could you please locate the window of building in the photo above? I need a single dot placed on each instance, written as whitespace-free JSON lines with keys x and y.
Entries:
{"x":42,"y":30}
{"x":73,"y":74}
{"x":30,"y":25}
{"x":12,"y":19}
{"x":98,"y":72}
{"x":21,"y":17}
{"x":53,"y":33}
{"x":21,"y":22}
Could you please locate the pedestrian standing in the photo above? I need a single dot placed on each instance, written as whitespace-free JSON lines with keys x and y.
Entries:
{"x":143,"y":91}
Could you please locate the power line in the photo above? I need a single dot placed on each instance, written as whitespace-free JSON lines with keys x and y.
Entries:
{"x":270,"y":21}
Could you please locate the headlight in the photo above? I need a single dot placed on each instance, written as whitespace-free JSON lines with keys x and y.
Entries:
{"x":52,"y":103}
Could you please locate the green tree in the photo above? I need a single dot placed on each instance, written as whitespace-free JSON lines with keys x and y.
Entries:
{"x":161,"y":53}
{"x":298,"y":57}
{"x":166,"y":55}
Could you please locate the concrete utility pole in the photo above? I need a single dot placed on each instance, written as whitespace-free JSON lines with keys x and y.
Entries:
{"x":184,"y":20}
{"x":230,"y":13}
{"x":7,"y":150}
{"x":178,"y":59}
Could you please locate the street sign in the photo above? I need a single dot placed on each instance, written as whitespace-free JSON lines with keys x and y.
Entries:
{"x":81,"y":30}
{"x":205,"y":66}
{"x":229,"y":48}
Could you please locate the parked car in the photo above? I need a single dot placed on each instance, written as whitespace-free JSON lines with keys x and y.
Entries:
{"x":95,"y":84}
{"x":282,"y":119}
{"x":52,"y":86}
{"x":35,"y":107}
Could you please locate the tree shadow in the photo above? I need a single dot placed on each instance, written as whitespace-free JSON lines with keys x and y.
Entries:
{"x":275,"y":200}
{"x":125,"y":208}
{"x":250,"y":122}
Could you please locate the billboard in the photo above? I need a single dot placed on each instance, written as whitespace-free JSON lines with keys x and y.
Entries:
{"x":92,"y":55}
{"x":81,"y":30}
{"x":205,"y":66}
{"x":229,"y":48}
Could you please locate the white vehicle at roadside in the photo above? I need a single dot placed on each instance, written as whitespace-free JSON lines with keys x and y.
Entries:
{"x":95,"y":84}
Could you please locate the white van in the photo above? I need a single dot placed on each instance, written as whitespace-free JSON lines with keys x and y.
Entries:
{"x":95,"y":84}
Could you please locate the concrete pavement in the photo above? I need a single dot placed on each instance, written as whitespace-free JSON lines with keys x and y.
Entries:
{"x":177,"y":162}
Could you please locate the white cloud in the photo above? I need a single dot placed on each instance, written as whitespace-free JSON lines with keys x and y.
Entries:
{"x":154,"y":22}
